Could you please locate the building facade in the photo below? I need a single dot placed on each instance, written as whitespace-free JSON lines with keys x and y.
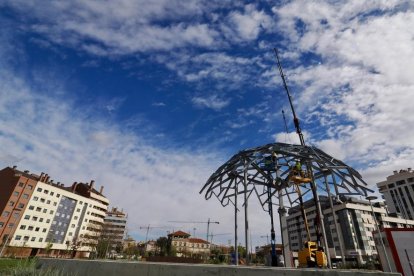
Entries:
{"x":189,"y":247}
{"x":354,"y":239}
{"x":40,"y":217}
{"x":398,"y":192}
{"x":114,"y":229}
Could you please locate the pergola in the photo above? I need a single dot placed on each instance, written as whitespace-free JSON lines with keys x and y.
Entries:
{"x":264,"y":171}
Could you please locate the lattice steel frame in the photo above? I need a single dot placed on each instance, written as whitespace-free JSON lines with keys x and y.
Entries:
{"x":251,"y":163}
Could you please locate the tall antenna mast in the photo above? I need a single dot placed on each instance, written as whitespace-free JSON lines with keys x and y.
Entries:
{"x":295,"y":118}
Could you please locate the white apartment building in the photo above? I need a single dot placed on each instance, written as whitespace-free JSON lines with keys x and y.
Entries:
{"x":61,"y":218}
{"x":398,"y":192}
{"x":114,"y":228}
{"x":356,"y":226}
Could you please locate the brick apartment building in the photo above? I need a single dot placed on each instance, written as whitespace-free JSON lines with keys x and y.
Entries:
{"x":39,"y":217}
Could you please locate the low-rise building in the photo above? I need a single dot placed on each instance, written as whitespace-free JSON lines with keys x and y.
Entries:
{"x":186,"y":246}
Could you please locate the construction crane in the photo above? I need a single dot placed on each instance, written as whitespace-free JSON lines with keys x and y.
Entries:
{"x":213,"y":235}
{"x":312,"y":253}
{"x":208,"y":222}
{"x":148,"y":227}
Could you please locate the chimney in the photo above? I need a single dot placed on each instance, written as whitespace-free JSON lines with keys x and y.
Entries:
{"x":26,"y":171}
{"x":74,"y":186}
{"x":409,"y":169}
{"x":101,"y":190}
{"x":91,"y":184}
{"x":14,"y":167}
{"x":58,"y":183}
{"x":395,"y":172}
{"x":41,"y":176}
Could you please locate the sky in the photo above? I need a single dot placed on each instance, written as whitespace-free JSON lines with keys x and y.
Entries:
{"x":149,"y":98}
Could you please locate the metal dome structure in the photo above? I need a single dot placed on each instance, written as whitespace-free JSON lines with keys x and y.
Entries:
{"x":266,"y":172}
{"x":267,"y":168}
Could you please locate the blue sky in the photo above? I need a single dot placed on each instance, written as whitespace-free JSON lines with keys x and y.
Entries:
{"x":149,"y":99}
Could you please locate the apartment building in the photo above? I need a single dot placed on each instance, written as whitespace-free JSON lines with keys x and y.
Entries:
{"x":354,"y":236}
{"x":186,"y":246}
{"x":41,"y":217}
{"x":114,"y":229}
{"x":398,"y":192}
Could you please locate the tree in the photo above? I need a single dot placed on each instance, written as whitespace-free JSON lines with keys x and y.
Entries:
{"x":162,"y":246}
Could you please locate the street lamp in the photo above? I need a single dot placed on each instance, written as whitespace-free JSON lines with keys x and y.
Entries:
{"x":369,"y":198}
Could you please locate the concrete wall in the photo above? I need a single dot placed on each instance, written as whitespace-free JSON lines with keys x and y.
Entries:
{"x":112,"y":268}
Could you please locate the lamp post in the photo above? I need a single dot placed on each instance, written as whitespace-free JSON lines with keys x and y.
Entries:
{"x":369,"y":198}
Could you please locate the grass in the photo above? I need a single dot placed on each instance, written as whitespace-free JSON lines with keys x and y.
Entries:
{"x":26,"y":267}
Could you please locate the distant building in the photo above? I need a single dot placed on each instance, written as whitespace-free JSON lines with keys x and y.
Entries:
{"x":186,"y":246}
{"x":356,"y":227}
{"x":40,"y":217}
{"x":114,"y":229}
{"x":398,"y":192}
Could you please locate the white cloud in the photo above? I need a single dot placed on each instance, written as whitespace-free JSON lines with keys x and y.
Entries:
{"x":361,"y":90}
{"x":213,"y":101}
{"x":247,"y":26}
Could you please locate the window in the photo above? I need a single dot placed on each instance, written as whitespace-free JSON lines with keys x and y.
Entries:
{"x":57,"y":214}
{"x":42,"y":200}
{"x":11,"y":203}
{"x":25,"y":196}
{"x":16,"y":214}
{"x":26,"y":238}
{"x":33,"y":239}
{"x":18,"y":238}
{"x":21,"y":205}
{"x":21,"y":184}
{"x":30,"y":187}
{"x":54,"y":222}
{"x":26,"y":217}
{"x":73,"y":225}
{"x":44,"y":230}
{"x":48,"y":202}
{"x":40,"y":239}
{"x":16,"y":193}
{"x":46,"y":191}
{"x":31,"y":207}
{"x":11,"y":225}
{"x":70,"y":233}
{"x":38,"y":209}
{"x":57,"y":195}
{"x":39,"y":189}
{"x":34,"y":218}
{"x":1,"y":224}
{"x":37,"y":229}
{"x":54,"y":203}
{"x":45,"y":210}
{"x":6,"y":214}
{"x":78,"y":210}
{"x":41,"y":220}
{"x":35,"y":198}
{"x":52,"y":193}
{"x":48,"y":220}
{"x":30,"y":228}
{"x":76,"y":217}
{"x":51,"y":212}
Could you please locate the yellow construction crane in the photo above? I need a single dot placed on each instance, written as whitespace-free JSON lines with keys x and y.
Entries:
{"x":312,"y":253}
